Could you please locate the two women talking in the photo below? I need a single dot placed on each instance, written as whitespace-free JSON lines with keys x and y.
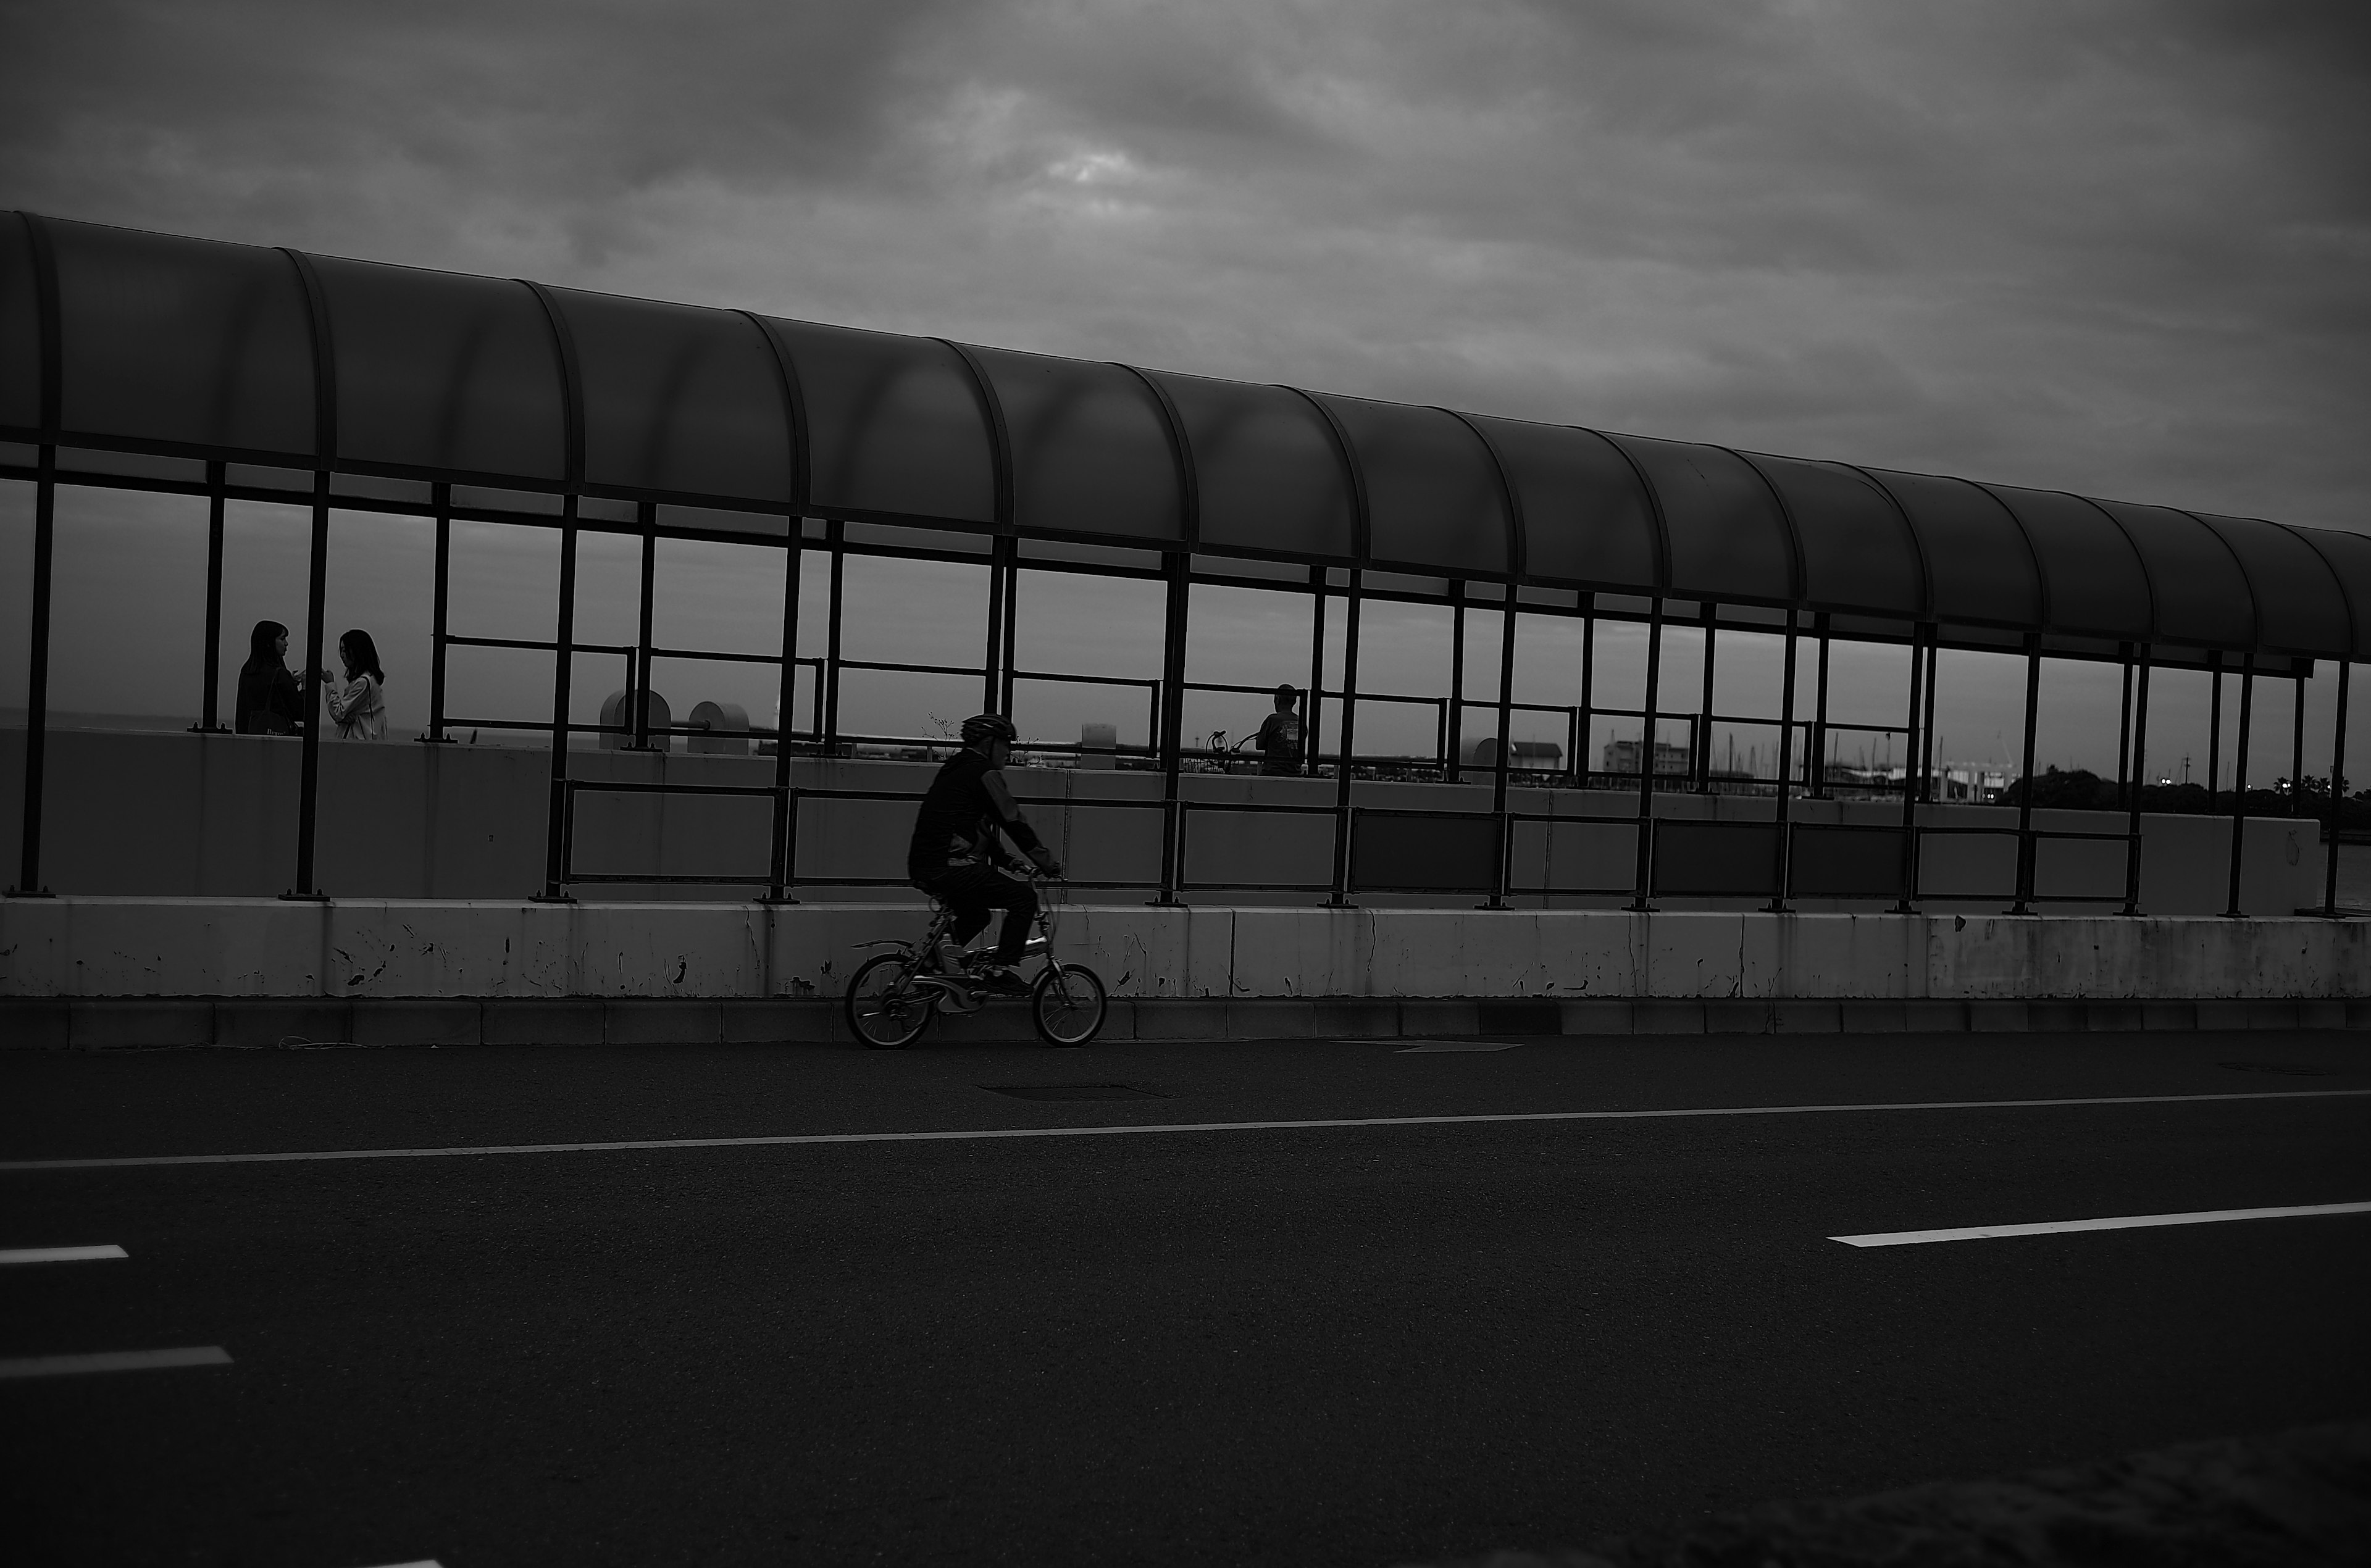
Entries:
{"x":270,"y":703}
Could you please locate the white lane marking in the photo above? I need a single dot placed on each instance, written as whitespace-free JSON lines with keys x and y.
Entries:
{"x":1459,"y":1045}
{"x":114,"y":1361}
{"x":2062,"y":1226}
{"x":60,"y":1254}
{"x":787,"y":1140}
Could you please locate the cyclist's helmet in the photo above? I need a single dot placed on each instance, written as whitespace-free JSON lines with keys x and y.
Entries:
{"x":981,"y":727}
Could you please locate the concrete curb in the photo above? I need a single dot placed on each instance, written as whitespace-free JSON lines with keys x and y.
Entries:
{"x":257,"y":1023}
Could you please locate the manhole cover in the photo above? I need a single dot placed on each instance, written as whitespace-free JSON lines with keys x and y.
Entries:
{"x":2286,"y":1069}
{"x":1073,"y":1091}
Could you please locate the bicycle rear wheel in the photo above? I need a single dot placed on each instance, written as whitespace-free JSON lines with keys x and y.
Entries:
{"x":1067,"y":1004}
{"x":883,"y":1006}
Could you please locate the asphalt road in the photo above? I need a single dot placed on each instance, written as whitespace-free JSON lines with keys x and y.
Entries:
{"x":1309,"y":1345}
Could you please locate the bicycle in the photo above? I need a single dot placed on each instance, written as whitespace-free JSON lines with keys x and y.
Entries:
{"x":892,"y":996}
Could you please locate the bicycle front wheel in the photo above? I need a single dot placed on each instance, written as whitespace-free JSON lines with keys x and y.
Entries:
{"x":1067,"y":1004}
{"x":883,"y":1006}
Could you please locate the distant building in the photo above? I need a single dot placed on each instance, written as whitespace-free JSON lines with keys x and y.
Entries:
{"x":1621,"y":757}
{"x":1523,"y":756}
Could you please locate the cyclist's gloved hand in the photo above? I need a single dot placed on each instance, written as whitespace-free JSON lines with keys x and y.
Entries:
{"x":1046,"y":861}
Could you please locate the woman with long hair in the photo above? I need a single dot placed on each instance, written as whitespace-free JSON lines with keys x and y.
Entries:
{"x":359,"y":712}
{"x":269,"y":703}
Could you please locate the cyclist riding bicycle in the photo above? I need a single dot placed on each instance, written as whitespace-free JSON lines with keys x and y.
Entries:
{"x":956,"y":858}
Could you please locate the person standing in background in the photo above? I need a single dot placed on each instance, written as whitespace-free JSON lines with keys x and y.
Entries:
{"x":268,"y":701}
{"x":1279,"y":734}
{"x":359,"y":712}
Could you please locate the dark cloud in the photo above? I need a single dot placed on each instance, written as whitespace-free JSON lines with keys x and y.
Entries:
{"x":2119,"y":247}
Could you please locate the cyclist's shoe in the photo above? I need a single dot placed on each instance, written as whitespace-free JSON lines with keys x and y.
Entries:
{"x":1036,"y":947}
{"x":998,"y":980}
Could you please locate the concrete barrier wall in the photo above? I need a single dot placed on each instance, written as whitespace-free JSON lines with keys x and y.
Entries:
{"x":378,"y":948}
{"x":166,"y":814}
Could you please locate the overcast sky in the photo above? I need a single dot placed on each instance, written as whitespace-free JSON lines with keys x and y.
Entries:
{"x":2120,"y":249}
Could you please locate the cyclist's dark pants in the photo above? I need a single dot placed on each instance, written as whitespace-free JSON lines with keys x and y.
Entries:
{"x":971,"y":891}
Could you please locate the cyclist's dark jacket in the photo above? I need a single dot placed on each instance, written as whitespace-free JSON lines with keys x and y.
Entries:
{"x":958,"y":818}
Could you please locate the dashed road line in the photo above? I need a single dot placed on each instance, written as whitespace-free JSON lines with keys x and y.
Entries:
{"x":60,"y":1254}
{"x":2065,"y":1226}
{"x":791,"y":1140}
{"x":113,"y":1361}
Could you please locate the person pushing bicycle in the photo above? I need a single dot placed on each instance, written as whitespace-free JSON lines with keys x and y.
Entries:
{"x":956,"y":858}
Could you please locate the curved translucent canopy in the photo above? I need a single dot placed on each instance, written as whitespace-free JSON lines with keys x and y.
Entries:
{"x":441,"y":374}
{"x":2190,"y":569}
{"x":2092,"y":582}
{"x":1432,"y":490}
{"x":1858,"y":551}
{"x":895,"y":426}
{"x":2348,"y":556}
{"x":2300,"y":608}
{"x":678,"y":400}
{"x":1090,"y":448}
{"x":1727,"y":538}
{"x":1267,"y":473}
{"x":114,"y":338}
{"x":181,"y":343}
{"x":20,"y":329}
{"x":1977,"y":561}
{"x":1585,"y":516}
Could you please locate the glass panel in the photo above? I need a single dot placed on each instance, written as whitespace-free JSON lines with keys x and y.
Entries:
{"x":1254,"y":639}
{"x":1392,"y":852}
{"x":894,"y":426}
{"x":2197,"y":599}
{"x":444,"y":372}
{"x":20,"y":329}
{"x":1728,"y":539}
{"x":2096,"y":581}
{"x":16,"y":500}
{"x":182,"y":340}
{"x":1074,"y":625}
{"x":1091,"y":450}
{"x":1976,"y":556}
{"x":1586,"y":517}
{"x":1265,"y":468}
{"x":1857,"y":552}
{"x":2349,"y":556}
{"x":2298,"y":604}
{"x":1432,"y":499}
{"x":678,"y":399}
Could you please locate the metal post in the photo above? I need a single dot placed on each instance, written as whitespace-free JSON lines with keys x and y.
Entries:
{"x":835,"y":535}
{"x":1704,"y":707}
{"x":2240,"y":776}
{"x":1903,"y":905}
{"x":440,"y":609}
{"x":782,"y":860}
{"x":1583,"y":725}
{"x":2214,"y":729}
{"x":647,"y":515}
{"x":1785,"y":767}
{"x":1646,"y":754}
{"x":2125,"y":726}
{"x":1177,"y":567}
{"x":2337,"y":795}
{"x":2297,"y":745}
{"x":1506,"y":745}
{"x":37,"y":674}
{"x":309,"y":789}
{"x":1926,"y":746}
{"x":1454,"y":717}
{"x":1316,"y":671}
{"x":1340,"y":897}
{"x":2140,"y":765}
{"x":1012,"y":629}
{"x":563,"y":668}
{"x":1818,"y":788}
{"x":996,"y":568}
{"x":210,"y":717}
{"x":2025,"y":855}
